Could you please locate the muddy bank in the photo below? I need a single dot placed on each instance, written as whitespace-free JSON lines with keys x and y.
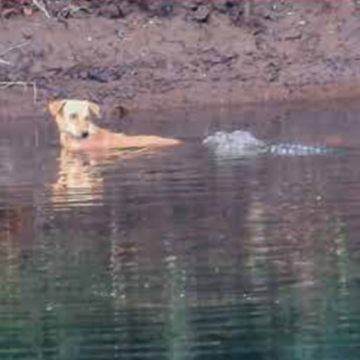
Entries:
{"x":163,"y":54}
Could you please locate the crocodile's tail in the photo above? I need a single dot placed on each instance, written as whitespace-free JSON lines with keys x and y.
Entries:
{"x":288,"y":149}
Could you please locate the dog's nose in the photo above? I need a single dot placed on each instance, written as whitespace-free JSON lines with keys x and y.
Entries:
{"x":84,"y":134}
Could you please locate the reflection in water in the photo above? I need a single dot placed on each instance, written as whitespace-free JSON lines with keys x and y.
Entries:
{"x":179,"y":256}
{"x":79,"y":183}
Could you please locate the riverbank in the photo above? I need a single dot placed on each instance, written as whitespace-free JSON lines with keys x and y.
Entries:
{"x":193,"y":53}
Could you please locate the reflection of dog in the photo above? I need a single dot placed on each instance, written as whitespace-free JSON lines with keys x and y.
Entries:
{"x":73,"y":118}
{"x":79,"y":181}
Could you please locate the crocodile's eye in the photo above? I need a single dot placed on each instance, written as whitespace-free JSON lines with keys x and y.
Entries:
{"x":73,"y":116}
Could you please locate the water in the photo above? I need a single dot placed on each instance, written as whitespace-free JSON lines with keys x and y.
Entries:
{"x":177,"y":254}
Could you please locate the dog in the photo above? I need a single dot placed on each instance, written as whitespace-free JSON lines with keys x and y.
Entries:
{"x":78,"y":132}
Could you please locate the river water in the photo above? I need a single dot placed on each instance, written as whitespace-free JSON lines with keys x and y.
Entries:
{"x":177,"y":254}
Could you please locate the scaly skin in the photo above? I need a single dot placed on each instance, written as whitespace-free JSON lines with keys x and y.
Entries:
{"x":240,"y":144}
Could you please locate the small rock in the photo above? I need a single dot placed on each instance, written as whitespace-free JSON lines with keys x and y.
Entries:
{"x":125,"y":8}
{"x":118,"y":111}
{"x":83,"y":75}
{"x":227,"y":6}
{"x":110,"y":11}
{"x":27,"y":34}
{"x":273,"y":72}
{"x":28,"y":11}
{"x":120,"y":34}
{"x":232,"y":8}
{"x":158,"y":7}
{"x":291,"y":34}
{"x":98,"y":76}
{"x":200,"y":13}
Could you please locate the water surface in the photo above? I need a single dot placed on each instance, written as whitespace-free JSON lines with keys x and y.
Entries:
{"x":176,"y":254}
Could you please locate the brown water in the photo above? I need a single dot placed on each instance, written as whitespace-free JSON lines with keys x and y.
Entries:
{"x":176,"y":254}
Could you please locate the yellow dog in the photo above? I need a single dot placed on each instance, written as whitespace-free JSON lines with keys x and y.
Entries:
{"x":77,"y":131}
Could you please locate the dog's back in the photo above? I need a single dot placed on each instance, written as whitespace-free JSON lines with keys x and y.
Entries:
{"x":77,"y":131}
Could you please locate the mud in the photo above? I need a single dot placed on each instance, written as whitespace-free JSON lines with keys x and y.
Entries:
{"x":163,"y":54}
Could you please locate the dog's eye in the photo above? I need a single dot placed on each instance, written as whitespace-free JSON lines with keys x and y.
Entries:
{"x":73,"y":116}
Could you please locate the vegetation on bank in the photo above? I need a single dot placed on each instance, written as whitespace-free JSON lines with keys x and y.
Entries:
{"x":220,"y":49}
{"x":238,"y":11}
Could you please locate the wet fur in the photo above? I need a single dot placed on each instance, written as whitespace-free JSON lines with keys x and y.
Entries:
{"x":77,"y":131}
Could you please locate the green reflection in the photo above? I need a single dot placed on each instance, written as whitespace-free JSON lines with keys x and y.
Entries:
{"x":259,"y":263}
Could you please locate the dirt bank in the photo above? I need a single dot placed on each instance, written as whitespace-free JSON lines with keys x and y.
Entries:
{"x":156,"y":54}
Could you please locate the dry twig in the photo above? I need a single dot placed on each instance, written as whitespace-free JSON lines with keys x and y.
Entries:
{"x":41,"y":6}
{"x":25,"y":84}
{"x":5,"y":62}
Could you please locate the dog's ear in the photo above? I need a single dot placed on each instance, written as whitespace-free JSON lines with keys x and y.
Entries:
{"x":94,"y":108}
{"x":56,"y":106}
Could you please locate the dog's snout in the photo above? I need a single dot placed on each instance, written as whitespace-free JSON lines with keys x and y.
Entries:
{"x":84,"y":134}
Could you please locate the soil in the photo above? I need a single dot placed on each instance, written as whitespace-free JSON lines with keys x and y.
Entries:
{"x":152,"y":54}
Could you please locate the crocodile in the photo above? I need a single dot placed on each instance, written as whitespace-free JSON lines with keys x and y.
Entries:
{"x":241,"y":144}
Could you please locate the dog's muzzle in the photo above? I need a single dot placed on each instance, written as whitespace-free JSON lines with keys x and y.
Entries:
{"x":81,"y":136}
{"x":85,"y":134}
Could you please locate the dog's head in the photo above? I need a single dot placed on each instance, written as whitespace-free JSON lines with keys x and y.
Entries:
{"x":74,"y":116}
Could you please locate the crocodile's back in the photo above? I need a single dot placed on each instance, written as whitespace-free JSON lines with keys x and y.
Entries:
{"x":239,"y":144}
{"x":234,"y":144}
